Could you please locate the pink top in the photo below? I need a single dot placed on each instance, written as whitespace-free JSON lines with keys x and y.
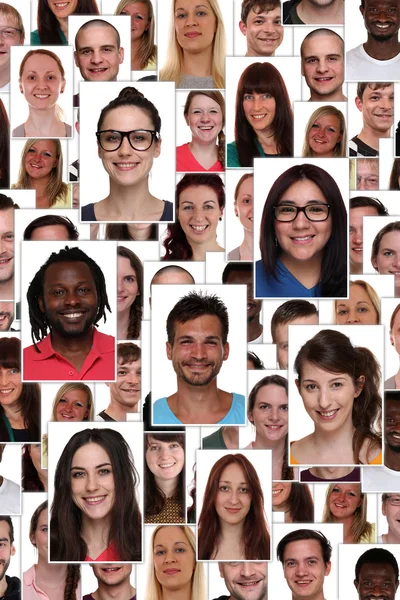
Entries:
{"x":185,"y":161}
{"x":109,"y":553}
{"x":50,"y":366}
{"x":33,"y":592}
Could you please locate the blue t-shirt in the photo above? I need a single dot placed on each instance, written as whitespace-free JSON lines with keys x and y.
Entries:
{"x":286,"y":286}
{"x":162,"y":414}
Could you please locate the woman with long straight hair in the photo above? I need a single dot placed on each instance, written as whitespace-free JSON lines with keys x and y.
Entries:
{"x":294,"y":500}
{"x":143,"y":48}
{"x":345,"y":503}
{"x":52,"y":20}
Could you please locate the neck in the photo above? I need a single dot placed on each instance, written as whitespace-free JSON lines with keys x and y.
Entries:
{"x":231,"y":437}
{"x":116,"y":411}
{"x":355,"y":268}
{"x":336,"y":96}
{"x":254,"y":329}
{"x":95,"y":532}
{"x":392,"y":459}
{"x":74,"y":345}
{"x":204,"y":150}
{"x":122,"y":591}
{"x":371,"y":136}
{"x":183,"y":593}
{"x":63,"y":23}
{"x":278,"y":447}
{"x":267,"y":141}
{"x":50,"y":573}
{"x":168,"y":486}
{"x":123,"y":324}
{"x":309,"y":13}
{"x":5,"y":75}
{"x":199,"y":64}
{"x":3,"y":586}
{"x":330,"y":472}
{"x":392,"y":538}
{"x":199,"y":250}
{"x":42,"y":122}
{"x":246,"y":247}
{"x":13,"y":413}
{"x":334,"y":440}
{"x":308,"y":272}
{"x":382,"y":50}
{"x":125,"y":201}
{"x":139,"y":235}
{"x":347,"y":523}
{"x":39,"y":185}
{"x":43,"y":476}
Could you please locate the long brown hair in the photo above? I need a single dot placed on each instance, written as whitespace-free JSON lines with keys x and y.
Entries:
{"x":48,"y":25}
{"x":136,"y":309}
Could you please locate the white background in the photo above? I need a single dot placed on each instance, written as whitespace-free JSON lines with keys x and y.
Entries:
{"x":354,"y":115}
{"x":391,"y":357}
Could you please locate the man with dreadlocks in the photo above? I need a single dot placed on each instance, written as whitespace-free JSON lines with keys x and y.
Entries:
{"x":67,"y":298}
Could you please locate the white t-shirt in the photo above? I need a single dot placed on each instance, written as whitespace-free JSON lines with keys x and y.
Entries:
{"x":10,"y":498}
{"x":5,"y":88}
{"x":362,"y":67}
{"x":380,"y":479}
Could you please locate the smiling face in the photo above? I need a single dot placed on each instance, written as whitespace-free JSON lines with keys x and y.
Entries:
{"x":303,"y":239}
{"x":322,"y":65}
{"x":233,"y":500}
{"x":92,"y":482}
{"x":344,"y":500}
{"x":140,"y":23}
{"x":304,"y":568}
{"x":391,"y":510}
{"x":381,"y":19}
{"x":325,"y":135}
{"x":41,"y":159}
{"x":126,"y":391}
{"x":199,"y":213}
{"x":280,"y":494}
{"x":6,"y":315}
{"x":327,"y":397}
{"x":64,"y":9}
{"x":204,"y":119}
{"x":174,"y":559}
{"x":357,"y":310}
{"x":259,"y":110}
{"x":40,"y":538}
{"x":128,"y":289}
{"x":112,"y":574}
{"x":6,"y":245}
{"x":376,"y":580}
{"x":392,"y":424}
{"x":97,"y":55}
{"x":263,"y":31}
{"x":245,"y":580}
{"x":270,"y":413}
{"x":244,"y":204}
{"x":164,"y":459}
{"x":195,"y":25}
{"x":72,"y":406}
{"x":41,"y":81}
{"x":356,"y":232}
{"x":7,"y":549}
{"x":387,"y":259}
{"x":6,"y":42}
{"x":367,"y":174}
{"x":126,"y":166}
{"x":10,"y":387}
{"x":377,"y":107}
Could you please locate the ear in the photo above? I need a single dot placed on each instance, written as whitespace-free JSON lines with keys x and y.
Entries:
{"x":41,"y":305}
{"x":77,"y":126}
{"x":361,"y":10}
{"x":98,"y":150}
{"x":221,"y":211}
{"x":236,"y":210}
{"x":157,"y":150}
{"x":374,"y":263}
{"x":33,"y":539}
{"x":243,"y":27}
{"x":150,"y":301}
{"x":359,"y":103}
{"x":383,"y":509}
{"x":302,"y":68}
{"x":169,"y":350}
{"x":328,"y":568}
{"x":20,"y":87}
{"x":76,"y":59}
{"x":355,"y":584}
{"x":107,"y":384}
{"x":64,"y":83}
{"x":226,"y":351}
{"x":221,"y":571}
{"x":12,"y":551}
{"x":250,"y":417}
{"x":297,"y":382}
{"x":391,"y":339}
{"x":359,"y":385}
{"x":121,"y":53}
{"x":339,"y":138}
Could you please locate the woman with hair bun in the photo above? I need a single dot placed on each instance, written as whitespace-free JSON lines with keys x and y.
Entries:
{"x":339,"y":385}
{"x":128,"y":141}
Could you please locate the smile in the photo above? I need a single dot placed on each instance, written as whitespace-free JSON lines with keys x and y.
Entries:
{"x":303,"y":240}
{"x":395,"y":435}
{"x":42,"y":96}
{"x":395,"y":273}
{"x":167,"y":466}
{"x":206,"y":127}
{"x":5,"y":260}
{"x":340,"y":505}
{"x":383,"y":25}
{"x":323,"y":78}
{"x":98,"y":69}
{"x":259,"y":117}
{"x":93,"y":500}
{"x":274,"y":427}
{"x":199,"y":228}
{"x":192,"y":34}
{"x":303,"y":582}
{"x":126,"y":166}
{"x":64,"y":416}
{"x":111,"y":569}
{"x":71,"y":316}
{"x":5,"y":392}
{"x":357,"y":249}
{"x":249,"y":583}
{"x":61,"y":5}
{"x":233,"y":511}
{"x":276,"y":492}
{"x":328,"y":415}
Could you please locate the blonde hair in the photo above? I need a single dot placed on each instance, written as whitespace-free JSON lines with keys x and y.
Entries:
{"x":69,"y":387}
{"x":55,"y":189}
{"x":340,"y":149}
{"x":360,"y":527}
{"x":147,"y":48}
{"x":9,"y":11}
{"x":371,"y":293}
{"x":172,"y":69}
{"x":153,"y":587}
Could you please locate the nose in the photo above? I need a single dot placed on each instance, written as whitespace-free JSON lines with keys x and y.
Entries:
{"x":191,"y":19}
{"x":205,"y":117}
{"x":170,"y":556}
{"x":396,"y":260}
{"x":324,"y":398}
{"x":120,"y":284}
{"x":301,"y":221}
{"x":234,"y":497}
{"x":362,"y":185}
{"x":4,"y":377}
{"x":357,"y":237}
{"x":67,"y":407}
{"x":301,"y":569}
{"x":72,"y":298}
{"x":274,"y":414}
{"x":386,"y":103}
{"x":323,"y":66}
{"x":91,"y":482}
{"x":247,"y":569}
{"x":352,"y":316}
{"x":257,"y":103}
{"x":199,"y":350}
{"x":96,"y":57}
{"x":125,"y":148}
{"x":133,"y":377}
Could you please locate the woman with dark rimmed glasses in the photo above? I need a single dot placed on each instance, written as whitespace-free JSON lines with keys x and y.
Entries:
{"x":128,"y":140}
{"x":303,"y":239}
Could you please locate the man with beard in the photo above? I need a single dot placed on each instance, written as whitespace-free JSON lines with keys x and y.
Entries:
{"x":379,"y":58}
{"x":125,"y":392}
{"x":242,"y":273}
{"x":197,"y":329}
{"x":310,"y":12}
{"x":113,"y":580}
{"x":377,"y":575}
{"x":245,"y":580}
{"x":67,"y":298}
{"x":10,"y":587}
{"x":7,"y":207}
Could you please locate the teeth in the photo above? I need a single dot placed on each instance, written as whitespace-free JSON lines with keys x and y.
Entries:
{"x":5,"y":260}
{"x":259,"y":116}
{"x":98,"y":70}
{"x":111,"y":569}
{"x":276,"y":492}
{"x":126,"y":165}
{"x":301,"y":239}
{"x":396,"y":436}
{"x":273,"y":426}
{"x":248,"y":583}
{"x":5,"y":391}
{"x":199,"y":227}
{"x":382,"y":26}
{"x":167,"y":466}
{"x":42,"y":96}
{"x":323,"y":78}
{"x":208,"y":128}
{"x":328,"y":413}
{"x":74,"y":315}
{"x":94,"y":499}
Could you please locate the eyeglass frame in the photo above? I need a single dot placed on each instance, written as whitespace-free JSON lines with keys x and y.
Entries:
{"x":154,"y":134}
{"x":303,"y":210}
{"x":3,"y":28}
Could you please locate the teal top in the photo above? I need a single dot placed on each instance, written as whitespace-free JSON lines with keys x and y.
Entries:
{"x":232,"y":157}
{"x":35,"y":39}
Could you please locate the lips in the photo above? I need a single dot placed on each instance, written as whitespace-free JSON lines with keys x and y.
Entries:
{"x":167,"y":465}
{"x":111,"y":569}
{"x":232,"y":511}
{"x":126,"y":166}
{"x":171,"y":571}
{"x":251,"y":583}
{"x":302,"y":240}
{"x":199,"y":228}
{"x":94,"y":500}
{"x":192,"y":35}
{"x":328,"y":415}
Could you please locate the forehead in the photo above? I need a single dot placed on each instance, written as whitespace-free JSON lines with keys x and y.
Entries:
{"x":372,"y":570}
{"x":126,"y":118}
{"x":96,"y":36}
{"x":73,"y":270}
{"x":7,"y":220}
{"x":198,"y":194}
{"x":357,"y":292}
{"x":312,"y":371}
{"x":74,"y":395}
{"x":246,"y":187}
{"x":282,"y":328}
{"x":357,"y":213}
{"x":43,"y":518}
{"x":381,"y":3}
{"x":205,"y":325}
{"x":124,"y":263}
{"x":233,"y":472}
{"x":391,"y":239}
{"x":381,"y":91}
{"x":130,"y":366}
{"x":44,"y":146}
{"x":348,"y":487}
{"x":365,"y":167}
{"x":4,"y":530}
{"x":202,"y":101}
{"x":41,"y":62}
{"x":302,"y":549}
{"x":135,"y":8}
{"x":272,"y":393}
{"x":301,"y":191}
{"x":322,"y":45}
{"x":329,"y":119}
{"x":392,"y":408}
{"x":240,"y":277}
{"x":52,"y":232}
{"x":189,"y":4}
{"x":257,"y":12}
{"x":90,"y":454}
{"x":8,"y":20}
{"x":171,"y":277}
{"x":170,"y":535}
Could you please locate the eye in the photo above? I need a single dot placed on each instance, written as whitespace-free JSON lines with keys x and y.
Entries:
{"x":58,"y":293}
{"x":264,"y":406}
{"x":14,"y":371}
{"x":389,"y":421}
{"x":267,"y":96}
{"x":160,"y":552}
{"x":62,"y":401}
{"x":315,"y":209}
{"x":284,"y":407}
{"x":104,"y":471}
{"x":83,"y":290}
{"x":388,"y":253}
{"x":315,"y":126}
{"x":121,"y":373}
{"x":78,"y":474}
{"x":174,"y":446}
{"x":337,"y":385}
{"x":288,"y":210}
{"x":224,"y":488}
{"x":79,"y":404}
{"x":187,"y":207}
{"x":244,"y":490}
{"x":248,"y":97}
{"x":310,"y":387}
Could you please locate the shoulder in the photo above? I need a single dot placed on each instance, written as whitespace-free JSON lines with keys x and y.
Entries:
{"x":87,"y":212}
{"x":68,"y":130}
{"x":370,"y":453}
{"x":19,"y":131}
{"x":35,"y":39}
{"x":234,"y":254}
{"x":300,"y":451}
{"x":232,"y":157}
{"x":236,"y":414}
{"x":168,"y":211}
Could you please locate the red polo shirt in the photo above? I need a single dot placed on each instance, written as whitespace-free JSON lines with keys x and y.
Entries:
{"x":99,"y":364}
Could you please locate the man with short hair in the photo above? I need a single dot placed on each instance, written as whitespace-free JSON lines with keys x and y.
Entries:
{"x":6,"y":316}
{"x":98,"y":51}
{"x":291,"y":312}
{"x":171,"y":275}
{"x":113,"y":581}
{"x":322,"y":65}
{"x":10,"y":587}
{"x":125,"y":392}
{"x":313,"y":12}
{"x":244,"y":580}
{"x":361,"y":206}
{"x":379,"y":57}
{"x":67,"y":298}
{"x":7,"y":207}
{"x":12,"y":33}
{"x":197,"y":329}
{"x":377,"y":575}
{"x":261,"y":24}
{"x":306,"y":557}
{"x":367,"y":174}
{"x":51,"y":227}
{"x":376,"y":103}
{"x":242,"y":273}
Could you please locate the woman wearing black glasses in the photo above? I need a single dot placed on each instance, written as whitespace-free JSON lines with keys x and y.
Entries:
{"x":303,"y":237}
{"x":128,"y":138}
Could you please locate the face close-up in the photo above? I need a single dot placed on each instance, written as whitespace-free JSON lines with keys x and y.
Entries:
{"x":391,"y":510}
{"x":325,"y":135}
{"x":198,"y":352}
{"x":233,"y":500}
{"x":245,"y":580}
{"x":282,"y":337}
{"x":128,"y":289}
{"x":69,"y":299}
{"x":97,"y":55}
{"x":244,"y":204}
{"x":344,"y":500}
{"x":377,"y":107}
{"x":174,"y":559}
{"x":204,"y":119}
{"x":164,"y":459}
{"x":139,"y":14}
{"x":40,"y":537}
{"x":195,"y":25}
{"x":270,"y":413}
{"x":41,"y":81}
{"x":263,"y":31}
{"x":322,"y":65}
{"x":304,"y":568}
{"x":392,"y":424}
{"x":387,"y":260}
{"x":127,"y":166}
{"x":367,"y":174}
{"x":356,"y":232}
{"x":7,"y":549}
{"x":357,"y":310}
{"x":112,"y":574}
{"x":259,"y":110}
{"x":72,"y":406}
{"x":126,"y":390}
{"x":6,"y":245}
{"x":381,"y":19}
{"x":10,"y":386}
{"x":41,"y":159}
{"x":11,"y":38}
{"x":6,"y":315}
{"x":376,"y":580}
{"x":199,"y":213}
{"x":92,"y":481}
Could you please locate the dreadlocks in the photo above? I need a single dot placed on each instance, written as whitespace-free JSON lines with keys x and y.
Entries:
{"x":39,"y":327}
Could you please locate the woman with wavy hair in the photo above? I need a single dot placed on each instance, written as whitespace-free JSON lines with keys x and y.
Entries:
{"x":52,"y":20}
{"x":129,"y":294}
{"x":197,"y":60}
{"x":164,"y":478}
{"x":200,"y":203}
{"x":175,"y":543}
{"x":73,"y":402}
{"x":44,"y":580}
{"x":295,"y":500}
{"x":303,"y":237}
{"x":325,"y":135}
{"x":232,"y":523}
{"x":205,"y":115}
{"x":339,"y":385}
{"x":385,"y":253}
{"x":4,"y":148}
{"x":264,"y":117}
{"x":41,"y":170}
{"x":345,"y":503}
{"x":267,"y":410}
{"x":83,"y":528}
{"x":363,"y":306}
{"x":143,"y":49}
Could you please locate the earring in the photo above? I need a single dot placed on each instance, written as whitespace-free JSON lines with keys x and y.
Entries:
{"x":220,"y":219}
{"x":276,"y":242}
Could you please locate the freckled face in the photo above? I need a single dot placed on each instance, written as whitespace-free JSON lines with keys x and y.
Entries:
{"x":324,"y":135}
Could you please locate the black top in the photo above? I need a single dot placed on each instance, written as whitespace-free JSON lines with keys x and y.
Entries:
{"x":13,"y":591}
{"x":354,"y":475}
{"x":105,"y":416}
{"x":87,"y":212}
{"x":21,"y":435}
{"x":287,"y":7}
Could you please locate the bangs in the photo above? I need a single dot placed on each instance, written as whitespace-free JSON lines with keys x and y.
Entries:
{"x":167,"y":437}
{"x":261,"y":78}
{"x":10,"y":353}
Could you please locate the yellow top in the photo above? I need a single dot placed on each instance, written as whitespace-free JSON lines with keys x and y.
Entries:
{"x":377,"y":460}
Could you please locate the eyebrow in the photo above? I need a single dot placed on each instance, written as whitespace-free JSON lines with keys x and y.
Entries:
{"x":323,"y":55}
{"x":175,"y":544}
{"x":197,"y":6}
{"x":280,"y":202}
{"x":204,"y":201}
{"x":329,"y":381}
{"x":102,"y":46}
{"x":305,"y":558}
{"x":207,"y":338}
{"x":227,"y":481}
{"x":5,"y":539}
{"x":84,"y":281}
{"x":46,"y":72}
{"x":359,"y":302}
{"x":96,"y":467}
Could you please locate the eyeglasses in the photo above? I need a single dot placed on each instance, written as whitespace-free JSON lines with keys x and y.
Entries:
{"x":10,"y":33}
{"x":393,"y":500}
{"x":313,"y":212}
{"x":139,"y":139}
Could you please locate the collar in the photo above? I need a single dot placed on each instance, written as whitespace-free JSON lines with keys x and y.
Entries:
{"x":101,"y":343}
